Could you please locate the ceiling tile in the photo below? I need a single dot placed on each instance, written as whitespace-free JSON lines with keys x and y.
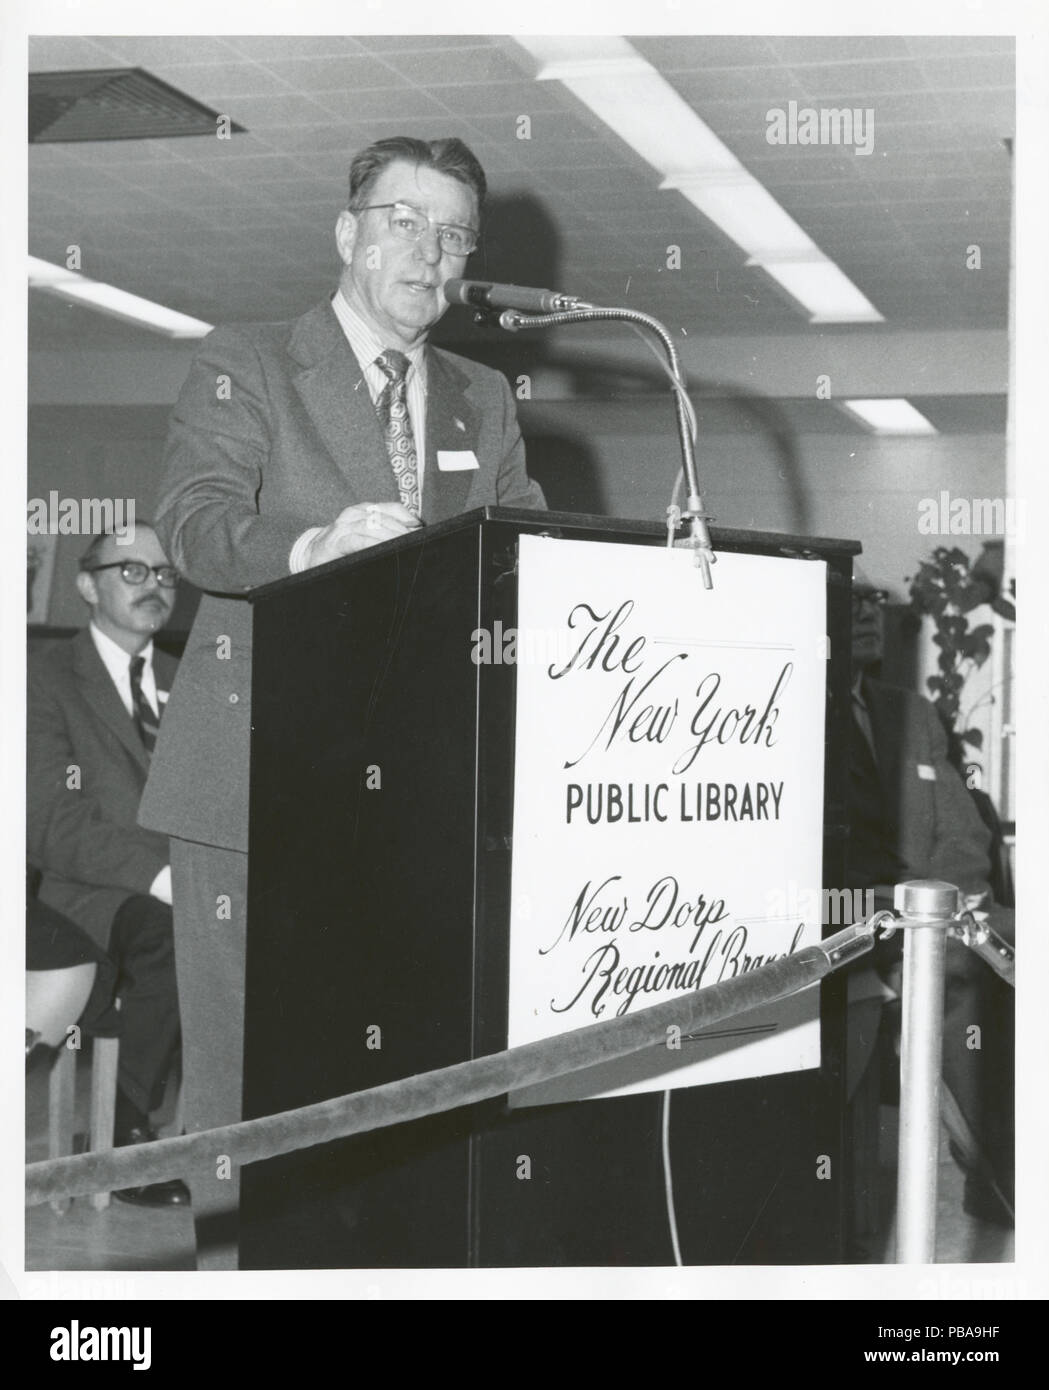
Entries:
{"x":262,"y":47}
{"x":995,"y":107}
{"x":242,"y":229}
{"x":54,"y":54}
{"x":766,"y":84}
{"x":968,"y":74}
{"x":746,"y":116}
{"x":925,"y":46}
{"x":792,"y":164}
{"x":571,"y":154}
{"x":265,"y":112}
{"x":583,"y":181}
{"x":208,"y":81}
{"x":856,"y":48}
{"x":148,"y":52}
{"x":508,"y":100}
{"x":450,"y":68}
{"x":860,"y":81}
{"x":400,"y":103}
{"x":935,"y":135}
{"x":686,"y":53}
{"x":348,"y":71}
{"x":412,"y":43}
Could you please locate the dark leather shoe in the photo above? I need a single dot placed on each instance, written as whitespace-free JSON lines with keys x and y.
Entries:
{"x":984,"y":1198}
{"x":984,"y":1201}
{"x":156,"y":1194}
{"x":174,"y":1193}
{"x":36,"y":1050}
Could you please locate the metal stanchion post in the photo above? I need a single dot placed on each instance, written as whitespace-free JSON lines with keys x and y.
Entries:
{"x":927,"y":908}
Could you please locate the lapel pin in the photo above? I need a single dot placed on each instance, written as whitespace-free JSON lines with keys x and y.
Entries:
{"x":459,"y":424}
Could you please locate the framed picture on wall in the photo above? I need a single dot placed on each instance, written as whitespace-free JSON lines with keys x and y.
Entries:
{"x":40,"y":570}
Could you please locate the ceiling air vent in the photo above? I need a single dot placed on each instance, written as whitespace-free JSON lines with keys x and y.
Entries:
{"x":113,"y":104}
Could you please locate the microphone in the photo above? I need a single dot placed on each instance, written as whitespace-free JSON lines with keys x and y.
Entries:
{"x":482,"y":294}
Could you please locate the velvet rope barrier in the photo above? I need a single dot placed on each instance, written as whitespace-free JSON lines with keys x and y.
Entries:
{"x":448,"y":1088}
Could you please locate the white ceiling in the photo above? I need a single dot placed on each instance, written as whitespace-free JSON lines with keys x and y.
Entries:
{"x":241,"y":229}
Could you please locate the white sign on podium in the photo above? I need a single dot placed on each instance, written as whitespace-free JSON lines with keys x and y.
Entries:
{"x":668,"y":800}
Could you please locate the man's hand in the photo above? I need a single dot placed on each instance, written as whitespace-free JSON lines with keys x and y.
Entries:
{"x":357,"y":528}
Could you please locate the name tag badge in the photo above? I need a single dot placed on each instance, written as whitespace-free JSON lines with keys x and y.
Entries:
{"x":926,"y":773}
{"x":456,"y":460}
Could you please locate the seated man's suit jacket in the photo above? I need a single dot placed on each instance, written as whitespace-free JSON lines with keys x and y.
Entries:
{"x":87,"y":768}
{"x":939,"y":834}
{"x":274,"y":433}
{"x":938,"y":830}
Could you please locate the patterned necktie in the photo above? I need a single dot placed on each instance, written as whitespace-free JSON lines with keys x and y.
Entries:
{"x":392,"y":407}
{"x":146,"y":722}
{"x":861,"y":717}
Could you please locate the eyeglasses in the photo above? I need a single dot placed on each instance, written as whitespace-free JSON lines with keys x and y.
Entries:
{"x":869,"y":598}
{"x":410,"y":224}
{"x":137,"y":572}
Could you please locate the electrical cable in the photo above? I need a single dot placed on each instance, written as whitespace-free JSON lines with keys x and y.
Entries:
{"x":668,"y":1180}
{"x":677,"y":496}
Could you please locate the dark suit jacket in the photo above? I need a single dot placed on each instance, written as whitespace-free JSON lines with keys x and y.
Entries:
{"x":275,"y":432}
{"x":92,"y":853}
{"x":939,"y":833}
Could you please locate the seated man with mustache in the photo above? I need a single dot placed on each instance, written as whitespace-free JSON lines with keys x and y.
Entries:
{"x":93,"y":709}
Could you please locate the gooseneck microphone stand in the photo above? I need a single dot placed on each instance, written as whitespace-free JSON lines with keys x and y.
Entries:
{"x":575,"y":311}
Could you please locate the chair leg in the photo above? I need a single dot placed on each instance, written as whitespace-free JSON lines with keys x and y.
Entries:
{"x":61,"y":1103}
{"x":178,"y":1124}
{"x":104,"y":1060}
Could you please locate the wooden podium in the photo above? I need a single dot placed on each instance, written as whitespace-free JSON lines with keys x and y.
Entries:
{"x":379,"y":898}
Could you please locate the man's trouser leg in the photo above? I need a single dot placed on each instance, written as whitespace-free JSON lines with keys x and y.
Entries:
{"x":141,"y":944}
{"x":209,"y":887}
{"x":979,"y":1064}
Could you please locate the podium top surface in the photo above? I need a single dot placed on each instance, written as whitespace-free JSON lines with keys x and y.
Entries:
{"x":577,"y":524}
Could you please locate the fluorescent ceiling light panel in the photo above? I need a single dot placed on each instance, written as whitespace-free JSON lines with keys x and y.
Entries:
{"x":653,"y":120}
{"x":609,"y":76}
{"x":108,"y":299}
{"x":748,"y":214}
{"x":625,"y":91}
{"x":890,"y":416}
{"x":825,"y":290}
{"x":570,"y":50}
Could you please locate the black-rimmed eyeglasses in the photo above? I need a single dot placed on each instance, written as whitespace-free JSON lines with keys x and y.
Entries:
{"x":137,"y":572}
{"x":869,"y":598}
{"x":410,"y":224}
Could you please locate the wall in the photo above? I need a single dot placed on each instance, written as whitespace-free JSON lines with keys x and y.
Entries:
{"x":853,"y":486}
{"x":610,"y":458}
{"x":94,"y":452}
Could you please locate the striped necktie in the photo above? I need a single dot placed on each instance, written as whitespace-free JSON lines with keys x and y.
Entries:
{"x":146,"y":722}
{"x":861,"y":716}
{"x":392,"y":407}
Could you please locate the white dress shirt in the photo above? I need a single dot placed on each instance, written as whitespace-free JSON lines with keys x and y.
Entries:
{"x":367,"y":345}
{"x":118,"y":664}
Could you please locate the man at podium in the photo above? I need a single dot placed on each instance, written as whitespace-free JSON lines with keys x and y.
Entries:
{"x":292,"y":445}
